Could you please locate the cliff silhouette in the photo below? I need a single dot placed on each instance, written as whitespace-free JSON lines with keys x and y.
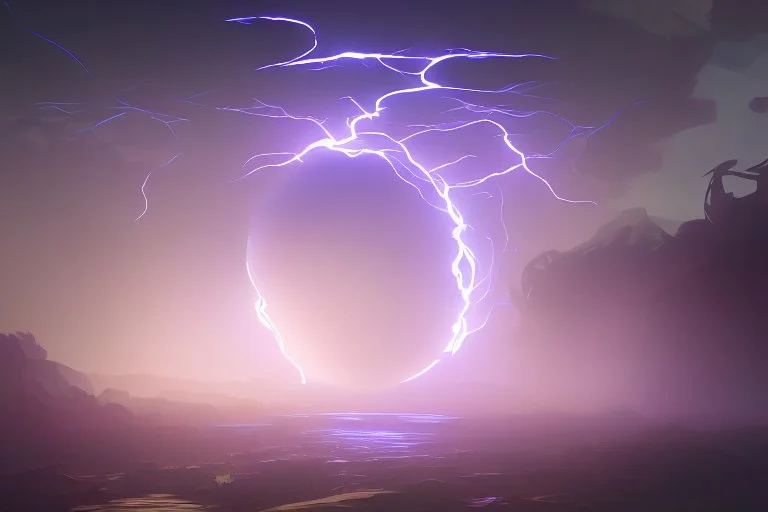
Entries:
{"x":22,"y":349}
{"x":669,"y":324}
{"x":47,"y":411}
{"x":51,"y":418}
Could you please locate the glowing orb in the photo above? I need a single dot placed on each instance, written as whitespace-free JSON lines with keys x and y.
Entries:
{"x":356,"y":271}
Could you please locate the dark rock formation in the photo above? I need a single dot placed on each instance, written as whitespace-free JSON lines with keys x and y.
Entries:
{"x":667,"y":324}
{"x":55,"y":378}
{"x":45,"y":418}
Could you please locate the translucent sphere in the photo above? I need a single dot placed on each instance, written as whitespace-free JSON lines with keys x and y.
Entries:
{"x":356,"y":271}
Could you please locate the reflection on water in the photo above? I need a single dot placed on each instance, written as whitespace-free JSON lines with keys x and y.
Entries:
{"x":355,"y":436}
{"x":485,"y":502}
{"x":373,"y":436}
{"x":371,"y":444}
{"x":395,"y":417}
{"x":148,"y":503}
{"x":335,"y":438}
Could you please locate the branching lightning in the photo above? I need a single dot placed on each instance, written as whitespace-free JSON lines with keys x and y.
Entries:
{"x":431,"y":183}
{"x":361,"y":137}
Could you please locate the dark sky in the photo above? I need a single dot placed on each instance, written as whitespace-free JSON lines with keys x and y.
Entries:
{"x":169,"y":294}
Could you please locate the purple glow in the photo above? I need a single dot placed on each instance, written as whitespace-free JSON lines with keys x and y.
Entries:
{"x":379,"y":436}
{"x":485,"y":502}
{"x":431,"y":183}
{"x":435,"y":184}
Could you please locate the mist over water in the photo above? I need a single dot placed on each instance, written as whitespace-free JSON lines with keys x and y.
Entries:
{"x":623,"y":363}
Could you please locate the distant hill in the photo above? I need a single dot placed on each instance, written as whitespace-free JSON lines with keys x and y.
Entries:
{"x":186,"y":412}
{"x":632,"y":227}
{"x":187,"y":390}
{"x":669,"y":225}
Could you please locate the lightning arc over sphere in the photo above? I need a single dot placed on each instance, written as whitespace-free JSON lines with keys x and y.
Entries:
{"x":437,"y":183}
{"x":432,"y":183}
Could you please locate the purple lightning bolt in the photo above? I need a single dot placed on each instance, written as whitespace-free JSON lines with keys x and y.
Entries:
{"x":432,"y":183}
